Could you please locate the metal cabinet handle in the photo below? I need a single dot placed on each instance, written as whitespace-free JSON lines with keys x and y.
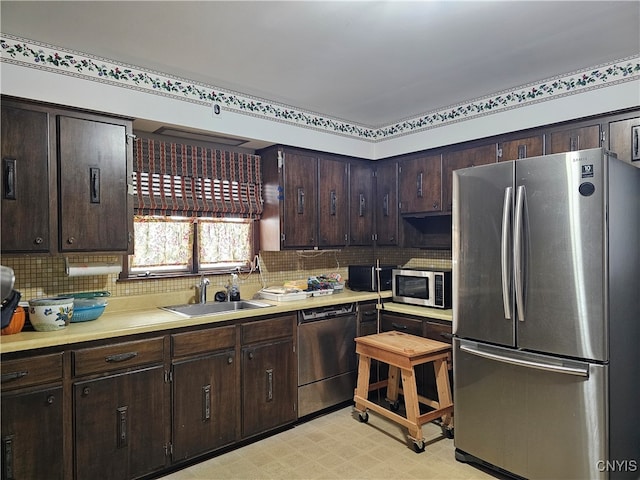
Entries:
{"x":333,"y":200}
{"x":362,"y":205}
{"x":71,"y":240}
{"x":522,"y":151}
{"x":635,"y":154}
{"x":121,"y":418}
{"x":9,"y":167}
{"x":38,"y":240}
{"x":419,"y":192}
{"x":7,"y":377}
{"x":300,"y":200}
{"x":120,"y":357}
{"x":269,"y":376}
{"x":206,"y":402}
{"x":7,"y":457}
{"x":385,"y":205}
{"x":251,"y":355}
{"x":94,"y":180}
{"x":397,"y":326}
{"x":574,"y":143}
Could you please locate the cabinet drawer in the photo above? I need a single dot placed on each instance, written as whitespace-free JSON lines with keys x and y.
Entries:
{"x":438,"y":331}
{"x":200,"y":341}
{"x":114,"y":357}
{"x":401,"y":324}
{"x":264,"y":330}
{"x":31,"y":371}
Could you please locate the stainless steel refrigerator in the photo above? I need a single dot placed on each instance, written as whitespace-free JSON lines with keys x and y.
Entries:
{"x":546,"y":316}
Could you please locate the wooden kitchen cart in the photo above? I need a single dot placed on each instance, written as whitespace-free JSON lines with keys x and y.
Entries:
{"x":402,"y":352}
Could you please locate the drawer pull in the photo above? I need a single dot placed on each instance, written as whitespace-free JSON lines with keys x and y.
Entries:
{"x":121,"y":357}
{"x":446,"y":335}
{"x":397,"y":326}
{"x":7,"y":377}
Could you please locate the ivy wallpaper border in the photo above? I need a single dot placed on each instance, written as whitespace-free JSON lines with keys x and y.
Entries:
{"x":37,"y":55}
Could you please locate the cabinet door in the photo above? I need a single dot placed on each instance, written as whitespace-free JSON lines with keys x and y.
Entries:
{"x":25,"y":180}
{"x":420,"y":184}
{"x":32,"y":434}
{"x":332,"y":207}
{"x":205,"y":404}
{"x":624,"y":139}
{"x":300,"y":201}
{"x":360,"y":204}
{"x":92,"y":185}
{"x":469,"y":157}
{"x":521,"y":148}
{"x":574,"y":139}
{"x":119,"y":425}
{"x":387,"y":204}
{"x":268,"y":388}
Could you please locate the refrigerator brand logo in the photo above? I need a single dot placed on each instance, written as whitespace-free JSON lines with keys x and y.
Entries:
{"x":617,"y":466}
{"x":587,"y":171}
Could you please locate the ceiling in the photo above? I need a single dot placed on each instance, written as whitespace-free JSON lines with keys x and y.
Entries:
{"x":371,"y":63}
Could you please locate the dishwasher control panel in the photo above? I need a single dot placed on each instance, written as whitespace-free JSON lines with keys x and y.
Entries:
{"x":310,"y":314}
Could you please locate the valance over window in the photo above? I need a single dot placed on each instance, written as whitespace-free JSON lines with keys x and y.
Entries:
{"x":186,"y":180}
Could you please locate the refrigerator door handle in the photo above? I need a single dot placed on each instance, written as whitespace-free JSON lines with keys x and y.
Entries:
{"x":505,"y":249}
{"x":582,"y":371}
{"x":517,"y":251}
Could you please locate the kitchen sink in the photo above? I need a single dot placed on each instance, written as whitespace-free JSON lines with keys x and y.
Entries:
{"x":218,"y":308}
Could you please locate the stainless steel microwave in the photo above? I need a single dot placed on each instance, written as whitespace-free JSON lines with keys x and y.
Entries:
{"x":427,"y":288}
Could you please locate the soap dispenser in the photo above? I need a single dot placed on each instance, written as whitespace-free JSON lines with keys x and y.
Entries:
{"x":234,"y":291}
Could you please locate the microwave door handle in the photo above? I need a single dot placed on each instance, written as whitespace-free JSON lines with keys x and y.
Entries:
{"x":517,"y":249}
{"x":505,"y":245}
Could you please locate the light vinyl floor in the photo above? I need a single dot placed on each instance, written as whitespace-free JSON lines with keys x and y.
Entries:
{"x":337,"y":446}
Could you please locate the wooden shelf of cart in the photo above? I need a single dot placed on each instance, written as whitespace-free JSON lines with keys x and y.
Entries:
{"x":402,"y":352}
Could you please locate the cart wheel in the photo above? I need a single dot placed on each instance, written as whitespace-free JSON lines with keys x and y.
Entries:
{"x":447,"y":432}
{"x":418,"y":446}
{"x":394,"y":406}
{"x":363,"y":417}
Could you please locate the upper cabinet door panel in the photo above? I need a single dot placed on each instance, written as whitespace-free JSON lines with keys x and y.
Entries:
{"x":92,"y":185}
{"x":25,"y":180}
{"x":521,"y":148}
{"x":387,"y":204}
{"x":624,"y":139}
{"x":332,"y":207}
{"x":470,"y":157}
{"x":420,"y":181}
{"x":360,"y":204}
{"x":574,"y":139}
{"x":300,"y":200}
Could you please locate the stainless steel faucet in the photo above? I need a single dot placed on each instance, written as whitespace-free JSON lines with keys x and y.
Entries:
{"x":202,"y":288}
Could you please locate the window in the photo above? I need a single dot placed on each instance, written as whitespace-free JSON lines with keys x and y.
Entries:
{"x":196,"y":208}
{"x":189,"y":245}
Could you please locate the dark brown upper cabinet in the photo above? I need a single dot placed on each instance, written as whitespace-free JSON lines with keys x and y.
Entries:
{"x":361,"y":204}
{"x":572,"y":139}
{"x":420,"y":185}
{"x":469,"y":157}
{"x":333,"y":214}
{"x":521,"y":148}
{"x":386,"y":215}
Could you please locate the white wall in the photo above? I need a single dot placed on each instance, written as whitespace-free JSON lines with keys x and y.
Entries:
{"x":38,"y":84}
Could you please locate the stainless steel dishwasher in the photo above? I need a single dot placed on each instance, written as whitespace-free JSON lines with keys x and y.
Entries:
{"x":326,"y":357}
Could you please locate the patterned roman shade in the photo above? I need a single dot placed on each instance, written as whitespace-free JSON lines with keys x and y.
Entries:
{"x":179,"y":179}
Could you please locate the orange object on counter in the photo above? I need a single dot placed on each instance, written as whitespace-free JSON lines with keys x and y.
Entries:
{"x":17,"y":322}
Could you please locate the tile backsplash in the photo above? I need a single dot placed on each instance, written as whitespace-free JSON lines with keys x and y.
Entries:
{"x":38,"y":276}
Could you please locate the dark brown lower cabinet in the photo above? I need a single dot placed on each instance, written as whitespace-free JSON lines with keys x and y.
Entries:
{"x":119,"y":429}
{"x":32,"y":434}
{"x":268,"y":388}
{"x":434,"y":329}
{"x":205,"y":404}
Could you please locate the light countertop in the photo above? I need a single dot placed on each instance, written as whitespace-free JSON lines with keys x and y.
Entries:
{"x":136,"y":315}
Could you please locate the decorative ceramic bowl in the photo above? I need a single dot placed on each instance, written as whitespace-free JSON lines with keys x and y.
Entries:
{"x":49,"y":314}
